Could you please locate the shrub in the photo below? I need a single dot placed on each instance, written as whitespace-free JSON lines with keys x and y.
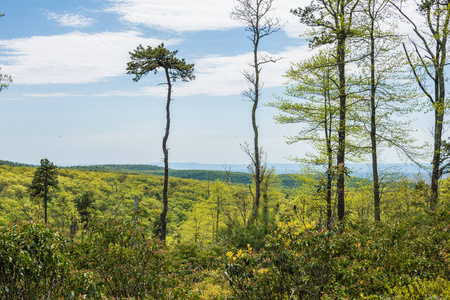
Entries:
{"x":33,"y":262}
{"x":438,"y":288}
{"x":126,"y":263}
{"x":354,"y":260}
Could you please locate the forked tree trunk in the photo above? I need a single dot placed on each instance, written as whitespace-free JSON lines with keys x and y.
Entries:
{"x":257,"y":163}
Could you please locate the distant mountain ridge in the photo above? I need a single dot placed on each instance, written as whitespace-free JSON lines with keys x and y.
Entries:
{"x":235,"y":173}
{"x":14,"y":164}
{"x":118,"y":167}
{"x":357,"y":169}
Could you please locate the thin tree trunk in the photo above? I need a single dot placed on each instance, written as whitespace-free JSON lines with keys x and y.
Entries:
{"x":342,"y":126}
{"x":217,"y":219}
{"x":136,"y":207}
{"x":373,"y":128}
{"x":328,"y":130}
{"x":166,"y":161}
{"x":46,"y":195}
{"x":45,"y":204}
{"x":257,"y":162}
{"x":438,"y":122}
{"x":439,"y":110}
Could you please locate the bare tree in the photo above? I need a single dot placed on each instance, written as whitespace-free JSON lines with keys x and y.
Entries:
{"x":257,"y":19}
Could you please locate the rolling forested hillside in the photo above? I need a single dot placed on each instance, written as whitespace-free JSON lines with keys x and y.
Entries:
{"x":202,"y":210}
{"x":211,"y":250}
{"x":204,"y":175}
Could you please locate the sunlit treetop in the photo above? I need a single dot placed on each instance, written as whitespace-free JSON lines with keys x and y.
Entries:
{"x":146,"y":60}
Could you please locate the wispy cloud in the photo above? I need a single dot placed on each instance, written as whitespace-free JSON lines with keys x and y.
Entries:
{"x":176,"y":15}
{"x":71,"y":58}
{"x":215,"y":76}
{"x":222,"y":76}
{"x":183,"y":16}
{"x":70,"y":20}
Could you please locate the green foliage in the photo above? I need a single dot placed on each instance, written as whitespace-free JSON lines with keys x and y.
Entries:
{"x":113,"y":260}
{"x":45,"y":178}
{"x":437,"y":288}
{"x":203,"y":175}
{"x":119,"y":168}
{"x":398,"y":259}
{"x":207,"y":175}
{"x":84,"y":204}
{"x":145,"y":60}
{"x":34,"y":262}
{"x":351,"y":261}
{"x":13,"y":164}
{"x":120,"y":250}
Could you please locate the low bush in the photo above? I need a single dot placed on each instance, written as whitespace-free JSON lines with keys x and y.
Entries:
{"x":354,"y":260}
{"x":33,"y":262}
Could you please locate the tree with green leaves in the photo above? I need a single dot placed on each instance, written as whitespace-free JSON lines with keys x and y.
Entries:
{"x":144,"y":61}
{"x":255,"y":15}
{"x":312,"y":99}
{"x":84,"y":204}
{"x":386,"y":92}
{"x":313,"y":81}
{"x":45,"y":179}
{"x":5,"y":79}
{"x":332,"y":23}
{"x":427,"y":60}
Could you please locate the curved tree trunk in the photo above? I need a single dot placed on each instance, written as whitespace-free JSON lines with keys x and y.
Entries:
{"x":166,"y":161}
{"x":256,"y":155}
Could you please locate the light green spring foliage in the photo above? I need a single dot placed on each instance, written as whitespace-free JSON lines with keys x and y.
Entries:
{"x":111,"y":192}
{"x":226,"y":210}
{"x":5,"y":79}
{"x":315,"y":105}
{"x":395,"y":91}
{"x":437,"y":288}
{"x":400,"y":196}
{"x":194,"y":215}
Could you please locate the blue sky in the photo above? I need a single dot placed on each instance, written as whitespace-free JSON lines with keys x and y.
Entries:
{"x":72,"y":102}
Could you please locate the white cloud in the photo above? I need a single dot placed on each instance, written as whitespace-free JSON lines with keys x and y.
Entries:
{"x":176,"y":15}
{"x":71,"y":20}
{"x":71,"y":58}
{"x":183,"y":15}
{"x":215,"y":76}
{"x":222,"y":75}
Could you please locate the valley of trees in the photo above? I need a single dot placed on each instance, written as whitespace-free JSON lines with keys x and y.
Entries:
{"x":145,"y":232}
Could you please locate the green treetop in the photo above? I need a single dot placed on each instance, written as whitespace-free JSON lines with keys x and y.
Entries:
{"x":45,"y":178}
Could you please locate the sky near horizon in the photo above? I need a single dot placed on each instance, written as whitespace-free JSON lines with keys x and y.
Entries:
{"x":72,"y":102}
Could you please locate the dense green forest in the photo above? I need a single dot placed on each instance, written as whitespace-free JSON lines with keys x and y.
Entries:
{"x":204,"y":175}
{"x":211,"y":252}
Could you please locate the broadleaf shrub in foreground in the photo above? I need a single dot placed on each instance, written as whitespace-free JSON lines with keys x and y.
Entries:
{"x":354,"y":260}
{"x":33,"y":262}
{"x":128,"y":264}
